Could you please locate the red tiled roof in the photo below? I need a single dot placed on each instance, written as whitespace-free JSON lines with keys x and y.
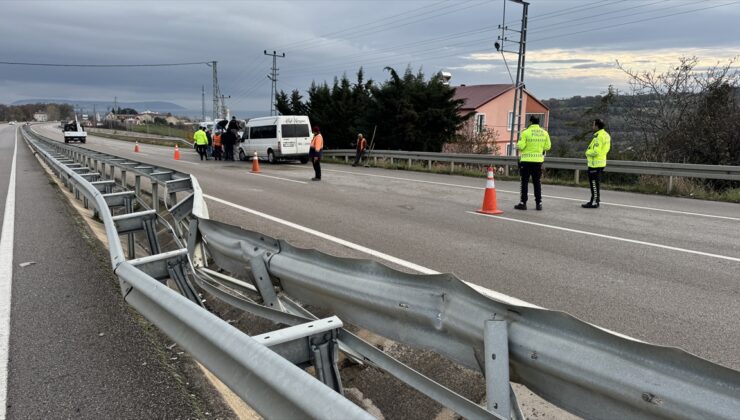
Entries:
{"x":477,"y":95}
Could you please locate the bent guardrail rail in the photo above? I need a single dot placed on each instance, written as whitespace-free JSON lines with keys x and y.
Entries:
{"x":269,"y":383}
{"x":577,"y":366}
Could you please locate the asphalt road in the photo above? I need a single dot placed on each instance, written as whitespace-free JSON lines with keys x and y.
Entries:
{"x":660,"y":269}
{"x":76,"y":349}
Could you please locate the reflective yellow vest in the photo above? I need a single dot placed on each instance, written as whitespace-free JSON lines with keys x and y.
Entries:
{"x":532,"y":144}
{"x":597,"y":150}
{"x":200,"y":138}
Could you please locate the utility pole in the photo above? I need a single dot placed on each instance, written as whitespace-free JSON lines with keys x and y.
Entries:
{"x":203,"y":102}
{"x":516,"y":115}
{"x":273,"y":76}
{"x":216,"y":90}
{"x":224,"y":110}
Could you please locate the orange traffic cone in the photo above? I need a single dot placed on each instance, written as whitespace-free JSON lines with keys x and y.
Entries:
{"x":136,"y":148}
{"x":177,"y":153}
{"x":255,"y":164}
{"x":489,"y":198}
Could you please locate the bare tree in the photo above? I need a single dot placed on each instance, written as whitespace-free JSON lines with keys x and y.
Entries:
{"x":470,"y":139}
{"x":682,"y":111}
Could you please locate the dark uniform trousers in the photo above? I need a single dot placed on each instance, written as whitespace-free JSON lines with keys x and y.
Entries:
{"x":533,"y":169}
{"x":593,"y":180}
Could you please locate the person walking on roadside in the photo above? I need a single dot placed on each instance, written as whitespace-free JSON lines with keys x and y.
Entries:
{"x":201,"y":142}
{"x":228,"y":140}
{"x":596,"y":157}
{"x":315,"y":152}
{"x":532,"y":145}
{"x":361,"y":147}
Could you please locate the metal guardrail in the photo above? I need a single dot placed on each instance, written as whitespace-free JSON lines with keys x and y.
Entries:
{"x":731,"y":173}
{"x":577,"y":366}
{"x":137,"y":134}
{"x":272,"y":385}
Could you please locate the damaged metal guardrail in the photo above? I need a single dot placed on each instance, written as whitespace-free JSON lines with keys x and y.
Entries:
{"x":570,"y":363}
{"x":272,"y":385}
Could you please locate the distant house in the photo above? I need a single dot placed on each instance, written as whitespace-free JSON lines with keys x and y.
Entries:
{"x":40,"y":117}
{"x":493,"y":107}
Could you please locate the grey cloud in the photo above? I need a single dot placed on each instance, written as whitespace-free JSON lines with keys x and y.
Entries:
{"x":313,"y":36}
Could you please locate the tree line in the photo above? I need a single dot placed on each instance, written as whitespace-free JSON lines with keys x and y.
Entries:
{"x":406,"y":112}
{"x":25,"y":112}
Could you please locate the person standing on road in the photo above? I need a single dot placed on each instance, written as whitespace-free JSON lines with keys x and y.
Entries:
{"x":361,"y":147}
{"x":209,"y":148}
{"x":201,"y":142}
{"x":228,"y":140}
{"x":217,"y":145}
{"x":315,"y":152}
{"x":532,"y":144}
{"x":596,"y":157}
{"x":233,"y":124}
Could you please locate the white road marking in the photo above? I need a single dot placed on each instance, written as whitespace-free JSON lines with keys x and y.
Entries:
{"x":616,"y":238}
{"x":418,"y":268}
{"x":6,"y":281}
{"x":277,"y":177}
{"x":687,"y":213}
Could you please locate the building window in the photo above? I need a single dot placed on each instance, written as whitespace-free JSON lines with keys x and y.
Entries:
{"x":509,"y":121}
{"x":480,"y":123}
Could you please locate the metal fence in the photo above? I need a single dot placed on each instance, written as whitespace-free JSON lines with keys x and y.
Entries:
{"x":670,"y":170}
{"x":577,"y":366}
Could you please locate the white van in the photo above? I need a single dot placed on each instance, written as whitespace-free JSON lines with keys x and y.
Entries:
{"x":276,"y":138}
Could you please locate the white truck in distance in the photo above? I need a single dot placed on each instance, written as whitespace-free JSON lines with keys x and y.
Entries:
{"x":73,"y":131}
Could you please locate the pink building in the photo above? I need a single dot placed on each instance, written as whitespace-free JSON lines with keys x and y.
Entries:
{"x":493,"y":106}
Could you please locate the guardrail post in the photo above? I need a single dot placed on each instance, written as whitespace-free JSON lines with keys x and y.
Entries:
{"x":409,"y":165}
{"x":429,"y":165}
{"x":577,"y":177}
{"x":155,"y":196}
{"x":506,"y":170}
{"x":124,"y":184}
{"x":452,"y":167}
{"x":346,"y":158}
{"x":112,"y":172}
{"x":375,"y":160}
{"x":102,"y":167}
{"x":670,"y":184}
{"x":391,"y":160}
{"x":496,"y":347}
{"x":137,"y":185}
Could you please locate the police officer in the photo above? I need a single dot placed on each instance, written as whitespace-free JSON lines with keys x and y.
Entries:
{"x":596,"y":157}
{"x":532,"y":144}
{"x":201,"y":141}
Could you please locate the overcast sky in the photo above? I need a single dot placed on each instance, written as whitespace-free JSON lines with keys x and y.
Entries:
{"x":572,"y":48}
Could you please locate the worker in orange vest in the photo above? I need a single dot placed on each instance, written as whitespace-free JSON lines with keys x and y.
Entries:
{"x":217,"y":149}
{"x":315,"y":152}
{"x":361,"y":147}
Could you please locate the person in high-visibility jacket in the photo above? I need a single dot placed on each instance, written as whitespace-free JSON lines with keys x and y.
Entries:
{"x":201,"y":142}
{"x":361,"y":146}
{"x":596,"y":157}
{"x":532,"y":145}
{"x":315,"y":151}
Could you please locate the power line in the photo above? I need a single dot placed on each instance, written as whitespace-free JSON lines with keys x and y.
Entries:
{"x":16,"y":63}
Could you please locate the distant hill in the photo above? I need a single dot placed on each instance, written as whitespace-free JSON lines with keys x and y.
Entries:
{"x":103,"y":106}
